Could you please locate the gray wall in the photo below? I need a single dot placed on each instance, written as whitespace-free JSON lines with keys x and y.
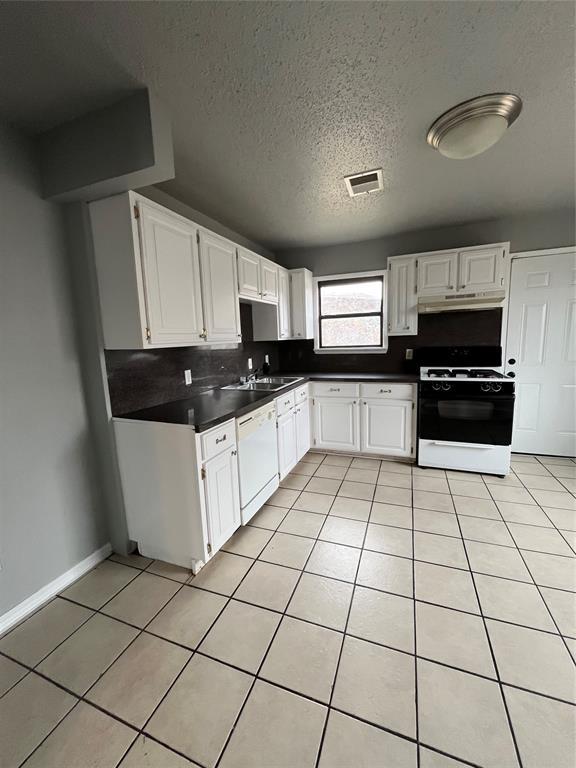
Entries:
{"x":551,"y":229}
{"x":50,"y":518}
{"x":162,"y":198}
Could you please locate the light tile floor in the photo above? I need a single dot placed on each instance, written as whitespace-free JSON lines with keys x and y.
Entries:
{"x":371,"y":615}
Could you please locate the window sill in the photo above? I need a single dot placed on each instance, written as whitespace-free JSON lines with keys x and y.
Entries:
{"x":352,"y":351}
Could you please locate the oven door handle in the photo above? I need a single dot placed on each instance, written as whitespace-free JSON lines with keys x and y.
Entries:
{"x":462,"y":445}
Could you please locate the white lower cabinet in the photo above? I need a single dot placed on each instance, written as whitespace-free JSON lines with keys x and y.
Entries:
{"x":375,"y":418}
{"x":303,"y":436}
{"x":222,"y":498}
{"x":293,"y":422}
{"x":386,"y":427}
{"x":180,"y":488}
{"x":287,"y":456}
{"x":336,"y":423}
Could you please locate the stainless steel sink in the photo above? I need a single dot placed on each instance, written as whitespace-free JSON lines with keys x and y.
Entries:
{"x":266,"y":383}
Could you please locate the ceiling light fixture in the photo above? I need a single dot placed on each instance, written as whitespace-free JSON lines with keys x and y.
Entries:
{"x":472,"y":127}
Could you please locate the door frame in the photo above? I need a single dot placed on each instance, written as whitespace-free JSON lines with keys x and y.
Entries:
{"x":508,"y":280}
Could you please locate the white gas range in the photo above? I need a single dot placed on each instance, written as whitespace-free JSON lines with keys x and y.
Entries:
{"x":465,"y":413}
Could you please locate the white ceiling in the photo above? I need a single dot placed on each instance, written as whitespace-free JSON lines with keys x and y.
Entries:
{"x":274,"y":102}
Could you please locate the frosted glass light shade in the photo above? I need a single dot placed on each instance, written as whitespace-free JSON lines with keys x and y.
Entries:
{"x":473,"y":136}
{"x":474,"y":126}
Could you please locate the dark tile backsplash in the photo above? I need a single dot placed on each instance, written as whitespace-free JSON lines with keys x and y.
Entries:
{"x":140,"y":379}
{"x":441,"y":329}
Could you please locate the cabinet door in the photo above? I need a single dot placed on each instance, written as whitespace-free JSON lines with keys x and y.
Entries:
{"x":248,"y":274}
{"x":286,"y":443}
{"x":269,"y":280}
{"x":171,"y":277}
{"x":302,"y":304}
{"x":402,"y":301}
{"x":283,"y":304}
{"x":219,"y":288}
{"x":437,"y":274}
{"x":336,"y":423}
{"x":386,"y":427}
{"x":303,"y":437}
{"x":481,"y":269}
{"x":222,"y":497}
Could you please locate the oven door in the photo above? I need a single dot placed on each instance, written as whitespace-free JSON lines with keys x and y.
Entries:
{"x":483,"y":419}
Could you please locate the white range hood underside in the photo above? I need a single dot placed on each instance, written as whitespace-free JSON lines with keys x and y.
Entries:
{"x":463,"y":302}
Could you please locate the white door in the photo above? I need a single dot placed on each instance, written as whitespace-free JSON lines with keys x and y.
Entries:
{"x":336,"y":423}
{"x":219,"y":288}
{"x":437,"y":274}
{"x":248,"y":274}
{"x":222,"y":497}
{"x":541,"y":353}
{"x":481,"y":269}
{"x":171,"y":277}
{"x":283,"y":304}
{"x":402,"y":297}
{"x":386,"y":427}
{"x":302,"y":429}
{"x":269,"y":280}
{"x":286,"y":443}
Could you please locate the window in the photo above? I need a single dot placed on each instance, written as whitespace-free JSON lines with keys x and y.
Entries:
{"x":350,"y":313}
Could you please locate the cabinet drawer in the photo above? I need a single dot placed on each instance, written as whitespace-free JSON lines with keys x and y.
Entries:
{"x":391,"y":391}
{"x":335,"y":389}
{"x":301,"y":394}
{"x":284,"y":403}
{"x":218,"y":439}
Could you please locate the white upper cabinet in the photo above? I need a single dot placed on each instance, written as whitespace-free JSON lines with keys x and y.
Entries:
{"x":437,"y":273}
{"x":402,"y":296}
{"x":248,"y":274}
{"x":219,"y":288}
{"x":284,"y":325}
{"x":269,"y":280}
{"x":481,"y":269}
{"x":171,"y":277}
{"x":302,"y":303}
{"x":162,"y":280}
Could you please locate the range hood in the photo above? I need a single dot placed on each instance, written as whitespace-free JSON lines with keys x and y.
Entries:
{"x":461,"y":302}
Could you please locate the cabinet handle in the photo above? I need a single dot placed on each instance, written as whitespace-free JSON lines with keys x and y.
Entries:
{"x":387,"y":391}
{"x":203,"y":334}
{"x":298,"y":334}
{"x":221,"y":439}
{"x":406,"y":327}
{"x":234,"y":453}
{"x":334,"y":389}
{"x":450,"y":287}
{"x":353,"y":402}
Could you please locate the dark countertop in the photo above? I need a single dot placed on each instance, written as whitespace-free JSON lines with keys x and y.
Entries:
{"x":410,"y":378}
{"x":215,"y":406}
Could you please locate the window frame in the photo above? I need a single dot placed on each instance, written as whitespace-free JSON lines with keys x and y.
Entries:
{"x":350,"y":277}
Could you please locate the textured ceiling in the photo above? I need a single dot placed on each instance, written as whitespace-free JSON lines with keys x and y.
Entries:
{"x":274,"y":102}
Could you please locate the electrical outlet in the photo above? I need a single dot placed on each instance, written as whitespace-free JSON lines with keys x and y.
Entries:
{"x":409,"y":354}
{"x":188,"y":377}
{"x":249,"y":363}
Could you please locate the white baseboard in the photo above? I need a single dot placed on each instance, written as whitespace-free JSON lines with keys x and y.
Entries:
{"x":32,"y":603}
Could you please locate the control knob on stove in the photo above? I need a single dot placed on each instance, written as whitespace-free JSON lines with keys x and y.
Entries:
{"x":436,"y":385}
{"x":446,"y":386}
{"x":485,"y":387}
{"x":496,"y":387}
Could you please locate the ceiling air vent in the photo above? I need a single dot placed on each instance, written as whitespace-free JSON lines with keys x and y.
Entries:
{"x":364,"y":183}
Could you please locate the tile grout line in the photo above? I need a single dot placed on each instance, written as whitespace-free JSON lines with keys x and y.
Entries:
{"x":492,"y":653}
{"x":263,"y":660}
{"x":324,"y":729}
{"x":415,"y":630}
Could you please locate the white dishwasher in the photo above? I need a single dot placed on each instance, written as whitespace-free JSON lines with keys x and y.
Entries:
{"x":257,"y":459}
